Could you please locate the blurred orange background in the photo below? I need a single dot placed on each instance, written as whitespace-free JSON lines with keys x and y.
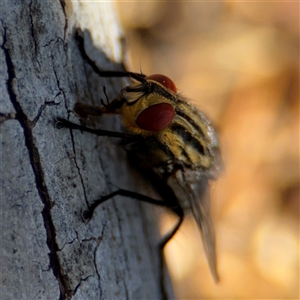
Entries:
{"x":239,"y":63}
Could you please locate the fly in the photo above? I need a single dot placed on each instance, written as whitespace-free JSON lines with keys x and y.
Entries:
{"x":171,"y":143}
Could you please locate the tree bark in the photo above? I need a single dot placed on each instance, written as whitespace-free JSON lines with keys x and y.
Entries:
{"x":49,"y":176}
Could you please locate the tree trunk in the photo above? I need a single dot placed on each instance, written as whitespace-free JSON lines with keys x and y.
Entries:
{"x":49,"y":176}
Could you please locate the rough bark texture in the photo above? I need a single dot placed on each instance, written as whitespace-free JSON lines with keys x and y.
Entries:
{"x":48,"y":176}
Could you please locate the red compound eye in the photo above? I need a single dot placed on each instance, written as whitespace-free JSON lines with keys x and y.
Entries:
{"x":164,"y":80}
{"x":156,"y":117}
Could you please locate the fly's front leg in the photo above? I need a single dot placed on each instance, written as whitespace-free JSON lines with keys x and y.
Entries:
{"x":103,"y":73}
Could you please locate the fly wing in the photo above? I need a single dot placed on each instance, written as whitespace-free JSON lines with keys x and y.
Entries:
{"x":192,"y":189}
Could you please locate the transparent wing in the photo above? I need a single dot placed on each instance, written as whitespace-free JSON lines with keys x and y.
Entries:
{"x":192,"y":190}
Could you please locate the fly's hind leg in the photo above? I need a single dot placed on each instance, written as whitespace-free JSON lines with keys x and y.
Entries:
{"x":137,"y":196}
{"x":125,"y":193}
{"x":168,"y":236}
{"x":170,"y":202}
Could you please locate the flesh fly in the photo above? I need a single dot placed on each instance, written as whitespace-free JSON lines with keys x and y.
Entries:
{"x":172,"y":143}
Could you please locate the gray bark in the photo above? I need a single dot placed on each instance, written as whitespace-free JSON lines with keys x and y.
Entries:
{"x":48,"y":176}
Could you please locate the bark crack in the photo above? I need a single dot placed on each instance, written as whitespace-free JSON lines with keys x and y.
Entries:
{"x":78,"y":169}
{"x":124,"y":252}
{"x":63,"y":5}
{"x":34,"y":121}
{"x":31,"y":26}
{"x":79,"y":284}
{"x":67,"y":243}
{"x":34,"y":157}
{"x":99,"y":239}
{"x":97,"y":272}
{"x":61,"y":91}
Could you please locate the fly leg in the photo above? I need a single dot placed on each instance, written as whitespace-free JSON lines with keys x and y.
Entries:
{"x":125,"y":193}
{"x":137,"y":196}
{"x":103,"y":73}
{"x":63,"y":123}
{"x":179,"y":212}
{"x":170,"y":201}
